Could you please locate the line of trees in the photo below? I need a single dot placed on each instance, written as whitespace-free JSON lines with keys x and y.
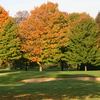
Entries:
{"x":49,"y":36}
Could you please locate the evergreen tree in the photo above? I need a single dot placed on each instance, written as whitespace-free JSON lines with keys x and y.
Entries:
{"x":82,"y":48}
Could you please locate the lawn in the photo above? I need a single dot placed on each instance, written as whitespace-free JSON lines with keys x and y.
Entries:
{"x":11,"y":87}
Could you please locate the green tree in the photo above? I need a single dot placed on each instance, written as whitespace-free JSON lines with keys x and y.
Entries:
{"x":97,"y":19}
{"x":82,"y":48}
{"x":9,"y":40}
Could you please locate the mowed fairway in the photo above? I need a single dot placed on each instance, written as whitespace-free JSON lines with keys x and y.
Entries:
{"x":69,"y":88}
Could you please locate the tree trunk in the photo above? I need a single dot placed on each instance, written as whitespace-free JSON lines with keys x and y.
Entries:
{"x":40,"y":67}
{"x":62,"y":69}
{"x":62,"y":65}
{"x":85,"y":68}
{"x":26,"y":68}
{"x":9,"y":64}
{"x":78,"y":67}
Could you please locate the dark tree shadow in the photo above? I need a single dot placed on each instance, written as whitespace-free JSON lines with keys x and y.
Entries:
{"x":74,"y":75}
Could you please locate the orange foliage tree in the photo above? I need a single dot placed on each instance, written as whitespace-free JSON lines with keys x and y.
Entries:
{"x":43,"y":33}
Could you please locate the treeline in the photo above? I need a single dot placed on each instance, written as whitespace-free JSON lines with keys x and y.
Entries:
{"x":47,"y":36}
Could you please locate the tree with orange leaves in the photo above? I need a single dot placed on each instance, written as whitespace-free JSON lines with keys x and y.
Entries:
{"x":43,"y":33}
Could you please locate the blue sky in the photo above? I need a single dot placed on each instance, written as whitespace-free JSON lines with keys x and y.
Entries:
{"x":90,"y":6}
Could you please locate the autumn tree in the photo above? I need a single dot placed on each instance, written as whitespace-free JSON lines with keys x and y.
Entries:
{"x":43,"y":33}
{"x":9,"y":41}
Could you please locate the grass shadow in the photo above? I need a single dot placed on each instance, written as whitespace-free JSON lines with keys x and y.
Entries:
{"x":74,"y":75}
{"x":54,"y":90}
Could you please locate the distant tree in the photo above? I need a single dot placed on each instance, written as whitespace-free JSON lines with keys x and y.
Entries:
{"x":21,"y":15}
{"x":9,"y":40}
{"x":82,"y":48}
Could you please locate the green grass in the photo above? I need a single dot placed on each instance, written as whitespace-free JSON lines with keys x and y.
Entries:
{"x":12,"y":89}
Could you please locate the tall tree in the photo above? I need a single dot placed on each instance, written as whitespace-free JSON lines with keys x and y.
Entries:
{"x":82,"y":48}
{"x":43,"y":33}
{"x":9,"y":41}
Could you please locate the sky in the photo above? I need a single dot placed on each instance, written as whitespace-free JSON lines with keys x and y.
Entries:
{"x":91,"y":7}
